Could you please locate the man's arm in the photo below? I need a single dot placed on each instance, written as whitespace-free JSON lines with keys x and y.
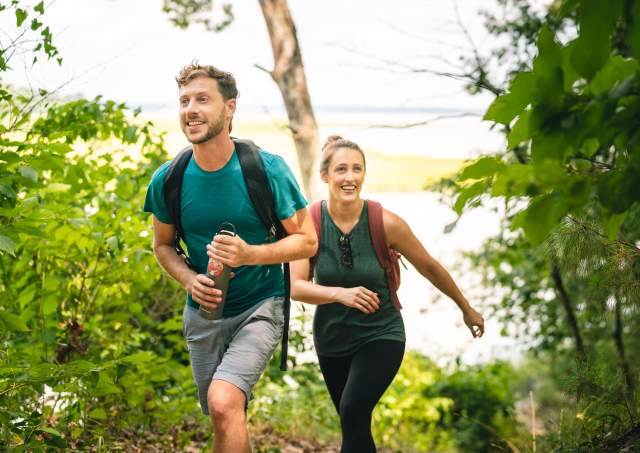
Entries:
{"x":300,"y":243}
{"x":200,"y":286}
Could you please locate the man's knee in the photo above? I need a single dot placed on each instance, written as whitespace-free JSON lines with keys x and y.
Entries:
{"x":226,"y":402}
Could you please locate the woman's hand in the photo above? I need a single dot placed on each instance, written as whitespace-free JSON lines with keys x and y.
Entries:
{"x":474,"y":321}
{"x":359,"y":298}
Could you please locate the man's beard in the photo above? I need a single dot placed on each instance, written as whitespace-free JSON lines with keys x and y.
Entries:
{"x":213,"y":129}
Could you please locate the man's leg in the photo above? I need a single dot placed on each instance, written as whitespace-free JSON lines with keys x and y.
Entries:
{"x":227,"y":404}
{"x":248,"y":354}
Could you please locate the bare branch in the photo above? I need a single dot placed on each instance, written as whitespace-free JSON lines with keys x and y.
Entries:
{"x":423,"y":123}
{"x":263,"y":69}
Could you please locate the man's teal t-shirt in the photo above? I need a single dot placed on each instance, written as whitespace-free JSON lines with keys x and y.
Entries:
{"x":209,"y":198}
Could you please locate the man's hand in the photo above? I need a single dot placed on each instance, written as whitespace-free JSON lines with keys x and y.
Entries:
{"x":474,"y":321}
{"x":359,"y":298}
{"x":231,"y":250}
{"x":203,"y":291}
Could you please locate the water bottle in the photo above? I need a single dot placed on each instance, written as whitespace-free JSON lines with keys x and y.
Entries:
{"x":219,"y":273}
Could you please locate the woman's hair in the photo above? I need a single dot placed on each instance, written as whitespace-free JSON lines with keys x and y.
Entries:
{"x":333,"y":143}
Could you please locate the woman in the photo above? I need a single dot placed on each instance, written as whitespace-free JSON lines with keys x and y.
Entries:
{"x":358,"y":332}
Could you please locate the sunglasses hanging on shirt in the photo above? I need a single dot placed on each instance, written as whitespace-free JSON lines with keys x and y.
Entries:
{"x":346,"y":257}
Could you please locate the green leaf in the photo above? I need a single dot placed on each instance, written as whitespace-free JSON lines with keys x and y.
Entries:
{"x":39,"y":7}
{"x":520,"y":131}
{"x":550,"y":145}
{"x":569,"y":73}
{"x":21,"y":16}
{"x":596,"y":20}
{"x":112,"y":243}
{"x":515,"y":181}
{"x":507,"y":106}
{"x":619,"y":189}
{"x":542,"y":216}
{"x":57,"y":187}
{"x":7,"y":245}
{"x":616,"y":70}
{"x":13,"y":322}
{"x":50,"y":304}
{"x":105,"y":385}
{"x":633,"y":34}
{"x":612,"y":223}
{"x":547,"y":70}
{"x":549,"y":174}
{"x":482,"y":168}
{"x":590,"y":146}
{"x":60,"y":148}
{"x":7,"y":192}
{"x":98,"y":414}
{"x":46,"y":429}
{"x":469,"y":193}
{"x":130,"y":134}
{"x":140,"y":358}
{"x":29,"y":173}
{"x":26,"y":296}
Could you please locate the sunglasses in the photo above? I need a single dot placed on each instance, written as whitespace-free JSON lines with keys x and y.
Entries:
{"x":346,"y":259}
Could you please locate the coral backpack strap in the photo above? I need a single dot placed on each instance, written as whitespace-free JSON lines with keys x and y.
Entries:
{"x":387,"y":258}
{"x":316,"y":215}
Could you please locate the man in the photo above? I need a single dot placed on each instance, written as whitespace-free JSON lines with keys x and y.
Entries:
{"x":227,"y":355}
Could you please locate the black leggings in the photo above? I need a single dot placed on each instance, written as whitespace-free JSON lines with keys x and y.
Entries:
{"x":356,"y":384}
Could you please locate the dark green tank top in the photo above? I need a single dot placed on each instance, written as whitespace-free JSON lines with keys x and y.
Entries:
{"x":339,"y":330}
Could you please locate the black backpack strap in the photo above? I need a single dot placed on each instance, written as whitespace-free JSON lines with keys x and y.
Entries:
{"x":263,"y":202}
{"x":171,"y":190}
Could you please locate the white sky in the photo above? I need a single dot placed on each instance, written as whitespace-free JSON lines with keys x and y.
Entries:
{"x":128,"y":50}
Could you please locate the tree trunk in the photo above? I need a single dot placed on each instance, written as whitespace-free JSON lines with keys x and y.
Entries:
{"x":568,"y":308}
{"x":288,"y":73}
{"x":617,"y":337}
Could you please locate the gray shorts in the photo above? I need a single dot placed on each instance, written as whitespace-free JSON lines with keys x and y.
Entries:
{"x":235,"y":350}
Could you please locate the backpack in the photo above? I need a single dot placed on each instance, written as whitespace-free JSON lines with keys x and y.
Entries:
{"x":387,"y":257}
{"x":261,"y":196}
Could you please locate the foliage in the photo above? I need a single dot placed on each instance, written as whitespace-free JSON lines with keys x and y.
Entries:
{"x":565,"y":265}
{"x":183,"y":12}
{"x":483,"y":413}
{"x":572,"y":136}
{"x":86,"y":317}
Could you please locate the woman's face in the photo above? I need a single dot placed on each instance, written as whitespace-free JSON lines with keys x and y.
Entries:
{"x":345,"y":174}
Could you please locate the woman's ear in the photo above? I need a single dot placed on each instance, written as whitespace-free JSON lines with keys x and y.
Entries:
{"x":324,"y":176}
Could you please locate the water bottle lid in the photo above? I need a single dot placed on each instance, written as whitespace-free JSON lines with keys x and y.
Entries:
{"x":227,"y":228}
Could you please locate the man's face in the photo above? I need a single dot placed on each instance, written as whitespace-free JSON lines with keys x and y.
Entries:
{"x":203,"y":111}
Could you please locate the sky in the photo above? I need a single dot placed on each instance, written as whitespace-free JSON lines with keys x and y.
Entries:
{"x":360,"y":59}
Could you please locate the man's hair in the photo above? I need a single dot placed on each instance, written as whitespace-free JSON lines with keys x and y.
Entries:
{"x":226,"y":81}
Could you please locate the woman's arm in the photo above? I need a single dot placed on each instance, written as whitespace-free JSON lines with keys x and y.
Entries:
{"x":401,"y":238}
{"x":302,"y":289}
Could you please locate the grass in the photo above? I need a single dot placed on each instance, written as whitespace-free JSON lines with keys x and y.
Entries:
{"x":385,"y":172}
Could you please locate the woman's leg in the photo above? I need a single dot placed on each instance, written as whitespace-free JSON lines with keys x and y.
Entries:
{"x":335,"y":371}
{"x":372,"y":369}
